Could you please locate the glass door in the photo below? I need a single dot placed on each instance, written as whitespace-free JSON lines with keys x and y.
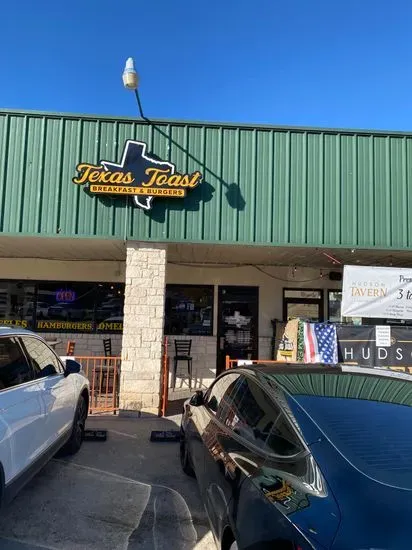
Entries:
{"x":303,"y":304}
{"x":238,"y":311}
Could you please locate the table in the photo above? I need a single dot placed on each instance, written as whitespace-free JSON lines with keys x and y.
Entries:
{"x":53,"y":343}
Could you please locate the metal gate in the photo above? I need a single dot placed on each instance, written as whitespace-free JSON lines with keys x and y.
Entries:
{"x":104,"y":376}
{"x":164,"y":389}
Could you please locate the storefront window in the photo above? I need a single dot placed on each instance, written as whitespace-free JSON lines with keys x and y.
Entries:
{"x":17,"y":304}
{"x":109,"y":307}
{"x":303,"y":304}
{"x":66,"y":307}
{"x":334,"y":309}
{"x":62,"y":306}
{"x":302,"y":294}
{"x":302,"y":310}
{"x":334,"y":306}
{"x":189,"y":310}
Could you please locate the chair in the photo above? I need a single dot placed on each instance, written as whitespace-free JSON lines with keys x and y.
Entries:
{"x":70,"y":348}
{"x":182,"y":353}
{"x":107,"y":344}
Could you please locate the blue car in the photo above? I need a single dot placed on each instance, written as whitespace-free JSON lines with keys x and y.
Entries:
{"x":303,"y":457}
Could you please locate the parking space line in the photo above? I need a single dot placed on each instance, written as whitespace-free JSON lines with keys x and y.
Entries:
{"x":25,"y":544}
{"x":131,"y":436}
{"x":183,"y":512}
{"x":123,"y":478}
{"x":99,"y":471}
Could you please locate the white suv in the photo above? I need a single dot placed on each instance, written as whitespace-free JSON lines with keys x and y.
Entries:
{"x":43,"y":407}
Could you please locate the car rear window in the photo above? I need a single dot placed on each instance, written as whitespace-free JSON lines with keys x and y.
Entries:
{"x":374,"y":436}
{"x":367,"y":418}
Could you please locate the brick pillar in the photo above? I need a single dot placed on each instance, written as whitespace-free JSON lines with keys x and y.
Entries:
{"x":142,"y":328}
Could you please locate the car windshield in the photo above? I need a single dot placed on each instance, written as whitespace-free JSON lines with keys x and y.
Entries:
{"x":368,"y":418}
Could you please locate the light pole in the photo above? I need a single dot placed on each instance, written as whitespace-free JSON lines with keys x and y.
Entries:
{"x":131,"y":82}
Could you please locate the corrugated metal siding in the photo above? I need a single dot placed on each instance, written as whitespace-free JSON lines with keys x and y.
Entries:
{"x":261,"y":185}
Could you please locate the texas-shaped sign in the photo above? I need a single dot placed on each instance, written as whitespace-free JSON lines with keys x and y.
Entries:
{"x":138,"y":174}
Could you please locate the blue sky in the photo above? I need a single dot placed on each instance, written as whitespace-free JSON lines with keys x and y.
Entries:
{"x":332,"y":63}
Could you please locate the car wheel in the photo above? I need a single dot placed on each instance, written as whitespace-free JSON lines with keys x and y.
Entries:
{"x":184,"y":456}
{"x":79,"y":423}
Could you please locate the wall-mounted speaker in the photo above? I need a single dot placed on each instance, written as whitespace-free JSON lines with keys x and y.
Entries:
{"x":335,"y":276}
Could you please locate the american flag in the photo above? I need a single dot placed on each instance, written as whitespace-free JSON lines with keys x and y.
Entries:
{"x":321,"y":343}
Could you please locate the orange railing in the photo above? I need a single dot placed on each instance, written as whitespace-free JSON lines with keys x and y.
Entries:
{"x":230,"y":363}
{"x":164,"y":391}
{"x":104,"y":376}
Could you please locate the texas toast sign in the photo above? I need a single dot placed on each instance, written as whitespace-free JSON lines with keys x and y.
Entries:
{"x":138,"y":174}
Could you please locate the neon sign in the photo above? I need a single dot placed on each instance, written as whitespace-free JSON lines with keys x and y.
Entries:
{"x":65,"y":296}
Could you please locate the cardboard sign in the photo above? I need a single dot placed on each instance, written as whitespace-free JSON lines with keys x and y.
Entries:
{"x":288,"y":345}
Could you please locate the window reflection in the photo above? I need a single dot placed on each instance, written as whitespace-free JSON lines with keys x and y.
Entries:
{"x":334,"y":309}
{"x":17,"y":301}
{"x":219,"y":399}
{"x":109,"y":307}
{"x":14,"y":369}
{"x":66,"y":306}
{"x":252,"y":414}
{"x":189,"y":310}
{"x":43,"y":361}
{"x":62,"y":306}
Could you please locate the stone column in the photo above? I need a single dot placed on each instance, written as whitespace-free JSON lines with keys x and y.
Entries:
{"x":142,"y":328}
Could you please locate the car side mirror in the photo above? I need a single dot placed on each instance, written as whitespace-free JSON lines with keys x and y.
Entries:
{"x":197,"y":399}
{"x":72,"y":367}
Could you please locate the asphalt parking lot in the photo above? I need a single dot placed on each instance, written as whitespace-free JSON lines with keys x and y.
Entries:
{"x":122,"y":494}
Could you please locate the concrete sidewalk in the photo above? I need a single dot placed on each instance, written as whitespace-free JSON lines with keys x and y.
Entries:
{"x":123,"y":494}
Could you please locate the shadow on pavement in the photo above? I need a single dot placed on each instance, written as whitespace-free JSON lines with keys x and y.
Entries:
{"x":175,"y":407}
{"x":126,"y":493}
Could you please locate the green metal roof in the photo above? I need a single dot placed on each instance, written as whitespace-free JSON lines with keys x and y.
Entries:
{"x":262,"y":184}
{"x":216,"y":124}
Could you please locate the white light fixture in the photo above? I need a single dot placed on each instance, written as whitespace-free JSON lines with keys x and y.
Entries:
{"x":130,"y":78}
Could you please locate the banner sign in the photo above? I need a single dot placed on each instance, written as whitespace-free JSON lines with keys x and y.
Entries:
{"x":22,"y":323}
{"x":359,"y":345}
{"x":138,"y":174}
{"x":377,"y":292}
{"x":78,"y":326}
